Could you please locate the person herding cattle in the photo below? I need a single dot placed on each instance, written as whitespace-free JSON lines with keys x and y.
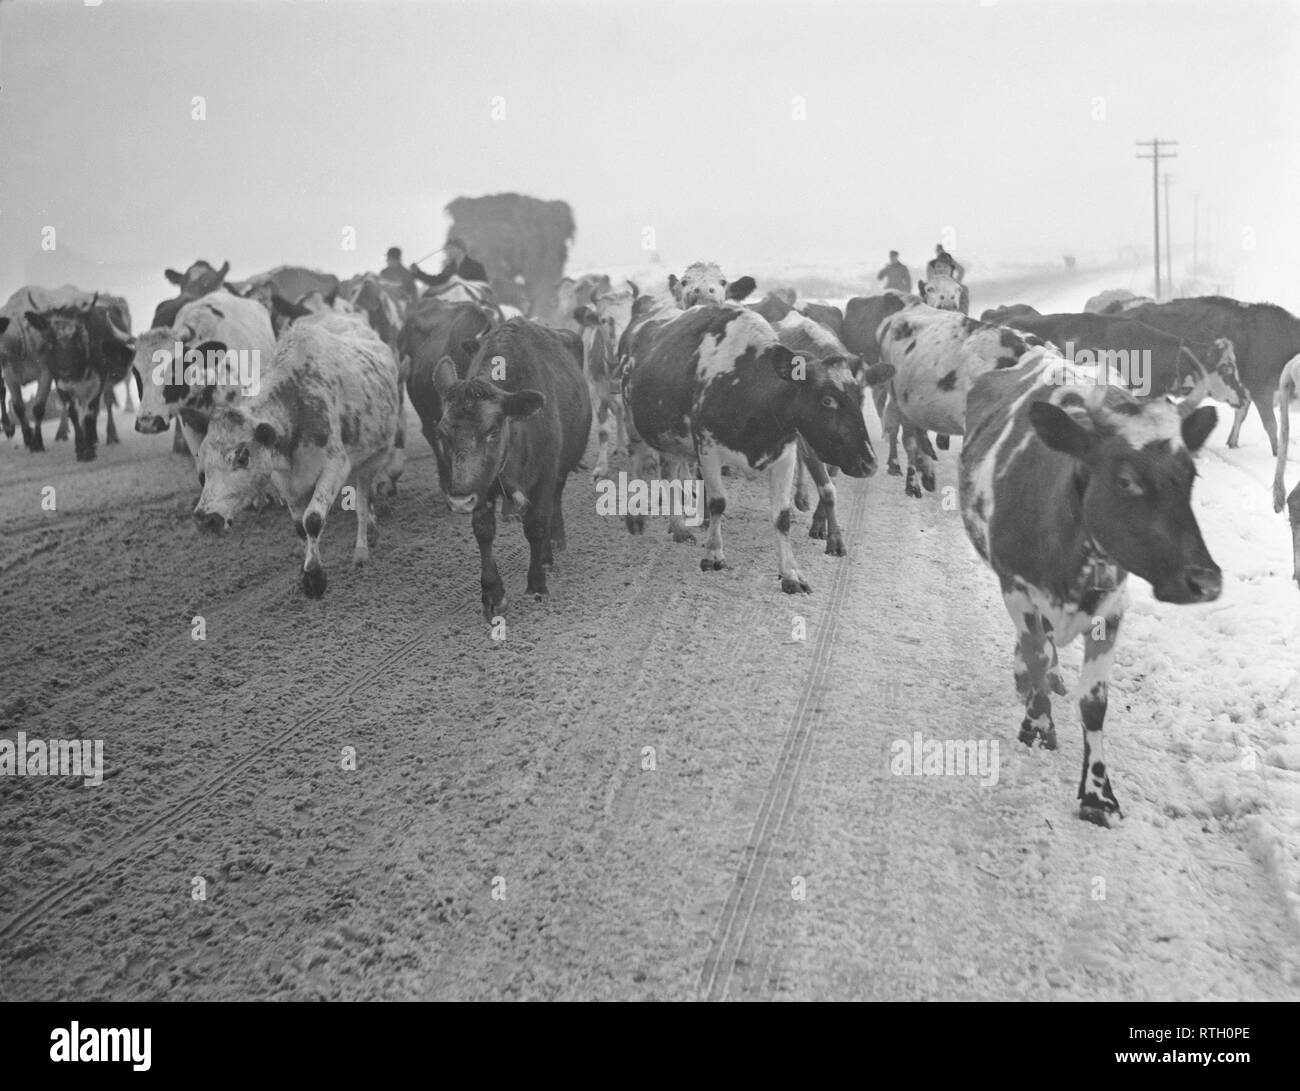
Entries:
{"x":895,"y":275}
{"x":944,"y":264}
{"x":397,"y":275}
{"x":459,"y":264}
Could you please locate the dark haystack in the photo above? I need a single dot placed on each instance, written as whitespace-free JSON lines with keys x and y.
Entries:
{"x":513,"y":235}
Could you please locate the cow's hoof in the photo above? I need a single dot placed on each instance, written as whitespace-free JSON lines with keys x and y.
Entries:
{"x":111,"y":440}
{"x":802,"y":501}
{"x":300,"y":530}
{"x":60,"y":437}
{"x":1057,"y":683}
{"x":895,"y":470}
{"x":681,"y":536}
{"x":86,"y":456}
{"x":941,"y":441}
{"x":1031,"y":733}
{"x":360,"y":557}
{"x":313,"y":582}
{"x":385,"y":488}
{"x":1099,"y":812}
{"x":913,"y":489}
{"x":795,"y":585}
{"x":835,"y":546}
{"x":600,"y":473}
{"x":635,"y":524}
{"x":928,"y":481}
{"x":709,"y":564}
{"x":494,"y":604}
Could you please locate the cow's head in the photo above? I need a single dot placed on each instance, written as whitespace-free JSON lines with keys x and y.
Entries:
{"x":1135,"y":471}
{"x":234,"y":462}
{"x":63,"y":340}
{"x":609,"y":315}
{"x":941,"y":292}
{"x":827,"y":404}
{"x":703,"y":282}
{"x":472,"y":438}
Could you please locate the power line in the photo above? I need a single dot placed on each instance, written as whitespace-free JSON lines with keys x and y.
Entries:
{"x":1158,"y":153}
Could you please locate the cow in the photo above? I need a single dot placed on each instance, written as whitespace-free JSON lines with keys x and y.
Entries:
{"x":998,"y":316}
{"x":703,"y":282}
{"x":713,"y":385}
{"x":214,"y":324}
{"x":196,"y":282}
{"x":572,"y":294}
{"x":326,"y":416}
{"x":1288,"y":389}
{"x":775,"y":305}
{"x":944,"y":293}
{"x":289,"y":282}
{"x":937,"y":355}
{"x":434,"y":329}
{"x":384,"y":307}
{"x":515,"y":427}
{"x":1175,"y":363}
{"x":87,"y":348}
{"x":1264,"y":337}
{"x":1066,"y":488}
{"x":603,"y":322}
{"x":21,"y":364}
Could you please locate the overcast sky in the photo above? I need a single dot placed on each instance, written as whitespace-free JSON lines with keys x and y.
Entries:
{"x":1012,"y":123}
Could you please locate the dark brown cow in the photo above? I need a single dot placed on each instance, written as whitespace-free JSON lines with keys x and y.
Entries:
{"x":1066,"y":487}
{"x":514,"y":428}
{"x":1264,"y":337}
{"x":432,"y":330}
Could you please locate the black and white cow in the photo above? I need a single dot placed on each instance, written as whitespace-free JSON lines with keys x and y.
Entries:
{"x":1067,"y":485}
{"x":603,"y":321}
{"x":937,"y":355}
{"x":703,"y":282}
{"x":327,"y":416}
{"x":714,"y":386}
{"x":514,"y":428}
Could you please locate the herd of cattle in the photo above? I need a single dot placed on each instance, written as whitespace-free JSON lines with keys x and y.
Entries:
{"x":1072,"y":474}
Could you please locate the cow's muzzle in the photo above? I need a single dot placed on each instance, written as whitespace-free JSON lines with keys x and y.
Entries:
{"x":150,"y":425}
{"x":212,"y":521}
{"x":463,"y":505}
{"x":1193,"y":584}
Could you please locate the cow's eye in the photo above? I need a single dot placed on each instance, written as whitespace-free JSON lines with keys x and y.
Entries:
{"x":828,"y":402}
{"x":1127,"y":483}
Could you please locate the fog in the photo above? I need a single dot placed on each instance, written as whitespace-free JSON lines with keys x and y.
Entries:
{"x":756,"y":134}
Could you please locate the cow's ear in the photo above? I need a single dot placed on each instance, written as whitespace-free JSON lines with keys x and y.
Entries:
{"x":1060,"y":431}
{"x":877,"y":374}
{"x":585,"y":316}
{"x":4,"y":324}
{"x":523,"y":403}
{"x":176,"y":278}
{"x":37,"y":321}
{"x":739,"y":289}
{"x":139,"y":382}
{"x":791,"y":366}
{"x":444,"y":374}
{"x":194,"y":420}
{"x":1198,"y":426}
{"x":265,"y":434}
{"x":281,"y":306}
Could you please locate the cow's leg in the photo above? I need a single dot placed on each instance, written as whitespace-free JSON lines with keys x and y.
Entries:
{"x":824,"y":523}
{"x":802,"y":499}
{"x":32,"y":435}
{"x":333,"y":477}
{"x":1284,"y":395}
{"x":620,"y":419}
{"x":1238,"y":419}
{"x":1266,"y":414}
{"x":780,"y":484}
{"x":887,"y":410}
{"x":538,"y":517}
{"x":1293,"y":510}
{"x":365,"y":515}
{"x":642,"y":469}
{"x":61,"y":433}
{"x":493,"y":592}
{"x":1097,"y":802}
{"x":920,"y":466}
{"x":88,"y":437}
{"x":600,"y":410}
{"x":675,"y":469}
{"x":6,"y":422}
{"x":109,"y":399}
{"x":1032,"y":664}
{"x":179,"y":446}
{"x":711,"y":472}
{"x":559,"y":540}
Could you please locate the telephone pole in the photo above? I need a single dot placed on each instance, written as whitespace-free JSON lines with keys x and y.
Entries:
{"x":1157,"y":153}
{"x":1169,"y":250}
{"x":1196,"y":234}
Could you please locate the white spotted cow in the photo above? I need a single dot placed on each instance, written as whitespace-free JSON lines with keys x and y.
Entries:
{"x":703,"y":282}
{"x":937,"y":355}
{"x":327,"y":416}
{"x":1067,"y":485}
{"x":602,"y":322}
{"x":713,"y":386}
{"x":944,"y":293}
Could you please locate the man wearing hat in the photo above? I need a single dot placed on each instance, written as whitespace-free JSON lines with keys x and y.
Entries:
{"x":397,"y":274}
{"x":459,"y":264}
{"x":895,"y":274}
